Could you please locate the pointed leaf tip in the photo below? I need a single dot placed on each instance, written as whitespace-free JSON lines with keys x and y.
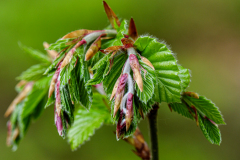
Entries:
{"x":132,"y":30}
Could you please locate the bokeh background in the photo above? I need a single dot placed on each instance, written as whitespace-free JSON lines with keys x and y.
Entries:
{"x":204,"y":34}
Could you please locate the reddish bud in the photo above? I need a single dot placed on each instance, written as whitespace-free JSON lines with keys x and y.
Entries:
{"x":78,"y":33}
{"x":191,"y":94}
{"x":127,"y":43}
{"x":120,"y":92}
{"x":115,"y":88}
{"x":52,"y":54}
{"x":19,"y":98}
{"x":120,"y":125}
{"x":69,"y":55}
{"x":93,"y":49}
{"x":58,"y":123}
{"x":58,"y":98}
{"x":147,"y":62}
{"x":53,"y":81}
{"x":9,"y":132}
{"x":129,"y":113}
{"x":136,"y":71}
{"x":132,"y":30}
{"x":111,"y":49}
{"x":110,"y":14}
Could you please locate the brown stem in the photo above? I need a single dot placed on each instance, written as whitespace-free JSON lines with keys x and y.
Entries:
{"x":152,"y":118}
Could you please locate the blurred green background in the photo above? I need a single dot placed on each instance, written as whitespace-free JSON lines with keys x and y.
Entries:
{"x":204,"y":34}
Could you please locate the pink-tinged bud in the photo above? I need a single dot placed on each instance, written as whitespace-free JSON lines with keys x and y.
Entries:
{"x":52,"y":54}
{"x":120,"y":125}
{"x":93,"y":49}
{"x":69,"y":55}
{"x":191,"y":94}
{"x":147,"y":62}
{"x":58,"y":98}
{"x":15,"y":133}
{"x":21,"y":83}
{"x":53,"y":81}
{"x":9,"y":132}
{"x":58,"y":123}
{"x":110,"y":14}
{"x":129,"y":113}
{"x":77,"y":33}
{"x":115,"y":88}
{"x":136,"y":71}
{"x":120,"y":92}
{"x":127,"y":43}
{"x":19,"y":98}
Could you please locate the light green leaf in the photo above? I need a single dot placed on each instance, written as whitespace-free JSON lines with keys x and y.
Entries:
{"x":33,"y":73}
{"x":86,"y":122}
{"x":101,"y":66}
{"x":168,"y":83}
{"x":39,"y":90}
{"x":182,"y":109}
{"x":184,"y":75}
{"x":110,"y":80}
{"x":205,"y":107}
{"x":35,"y":54}
{"x":53,"y":66}
{"x":50,"y":101}
{"x":59,"y":44}
{"x":148,"y":77}
{"x":117,"y":40}
{"x":210,"y":131}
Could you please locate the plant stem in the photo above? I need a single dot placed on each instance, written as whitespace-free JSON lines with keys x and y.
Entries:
{"x":152,"y":119}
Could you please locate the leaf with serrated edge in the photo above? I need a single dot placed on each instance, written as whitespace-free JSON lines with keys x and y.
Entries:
{"x":210,"y":131}
{"x":86,"y":122}
{"x":184,"y":75}
{"x":33,"y":73}
{"x":168,"y":83}
{"x":148,"y":83}
{"x":182,"y":109}
{"x":205,"y":107}
{"x":35,"y":54}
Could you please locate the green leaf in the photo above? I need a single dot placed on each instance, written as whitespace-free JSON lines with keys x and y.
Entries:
{"x":101,"y":66}
{"x":110,"y":80}
{"x":148,"y":77}
{"x":168,"y":83}
{"x":59,"y":44}
{"x":66,"y":104}
{"x":39,"y":90}
{"x":117,"y":40}
{"x":205,"y":107}
{"x":182,"y":109}
{"x":35,"y":54}
{"x":53,"y":66}
{"x":210,"y":131}
{"x":50,"y":101}
{"x":86,"y":122}
{"x":33,"y":73}
{"x":184,"y":75}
